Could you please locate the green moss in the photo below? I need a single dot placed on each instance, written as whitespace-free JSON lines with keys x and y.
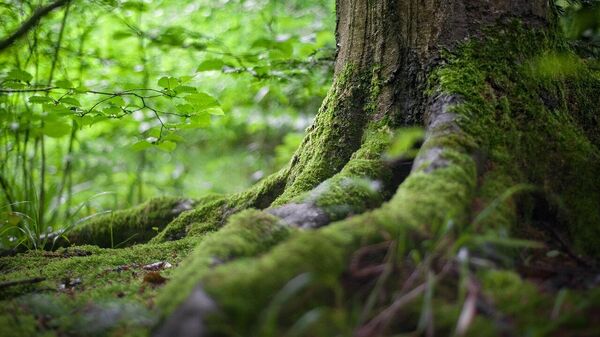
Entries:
{"x":517,"y":307}
{"x":360,"y":185}
{"x":543,"y":126}
{"x":432,"y":199}
{"x":371,"y":107}
{"x":343,"y":196}
{"x":495,"y":182}
{"x":87,"y":291}
{"x":336,"y":134}
{"x":247,"y":233}
{"x":523,"y":304}
{"x":207,"y":216}
{"x":130,"y":226}
{"x":212,"y":214}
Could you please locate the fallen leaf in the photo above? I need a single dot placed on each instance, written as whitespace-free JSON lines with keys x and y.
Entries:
{"x":154,"y":277}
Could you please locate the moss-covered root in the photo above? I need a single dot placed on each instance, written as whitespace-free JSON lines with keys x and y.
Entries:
{"x":247,"y":233}
{"x":247,"y":291}
{"x":363,"y":184}
{"x":212,"y":213}
{"x":126,"y":227}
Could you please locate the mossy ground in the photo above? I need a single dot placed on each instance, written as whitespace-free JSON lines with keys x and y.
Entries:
{"x":87,"y":290}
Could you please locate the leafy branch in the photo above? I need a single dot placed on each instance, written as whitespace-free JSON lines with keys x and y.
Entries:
{"x":193,"y":111}
{"x":31,"y":22}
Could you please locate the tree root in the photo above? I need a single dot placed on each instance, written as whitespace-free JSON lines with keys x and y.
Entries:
{"x":127,"y":227}
{"x":213,"y":213}
{"x":21,"y":282}
{"x":431,"y":196}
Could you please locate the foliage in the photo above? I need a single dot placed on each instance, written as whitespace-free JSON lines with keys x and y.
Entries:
{"x":580,"y":20}
{"x":134,"y":99}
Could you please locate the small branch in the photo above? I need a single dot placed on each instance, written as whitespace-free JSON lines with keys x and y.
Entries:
{"x":16,"y":91}
{"x":31,"y":22}
{"x":19,"y":282}
{"x":130,"y":92}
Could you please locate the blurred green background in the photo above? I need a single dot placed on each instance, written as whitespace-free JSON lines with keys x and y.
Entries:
{"x":267,"y":63}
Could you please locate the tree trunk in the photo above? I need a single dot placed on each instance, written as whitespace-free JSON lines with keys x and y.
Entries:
{"x":353,"y":239}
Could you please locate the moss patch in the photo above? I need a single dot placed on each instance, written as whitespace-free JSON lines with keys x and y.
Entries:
{"x":212,"y":214}
{"x":126,"y":227}
{"x":360,"y":185}
{"x":543,"y":126}
{"x":247,"y":233}
{"x":336,"y":134}
{"x":87,"y":291}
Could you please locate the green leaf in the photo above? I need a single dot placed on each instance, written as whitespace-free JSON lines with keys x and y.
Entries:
{"x":154,"y":134}
{"x":56,"y":129}
{"x":185,"y":108}
{"x":185,"y":89}
{"x":112,"y":110}
{"x":141,"y":145}
{"x":82,"y":88}
{"x":405,"y":142}
{"x":174,"y":137}
{"x":195,"y":122}
{"x":167,"y":146}
{"x":19,"y":75}
{"x":213,"y":64}
{"x":185,"y":79}
{"x":55,"y":110}
{"x":138,"y":6}
{"x":40,"y":99}
{"x":284,"y":49}
{"x":262,"y":43}
{"x":89,"y":120}
{"x":13,"y":85}
{"x":117,"y":100}
{"x":65,"y":84}
{"x":200,"y":121}
{"x":168,"y":82}
{"x":202,"y":101}
{"x":217,"y":111}
{"x":122,"y":34}
{"x":71,"y":101}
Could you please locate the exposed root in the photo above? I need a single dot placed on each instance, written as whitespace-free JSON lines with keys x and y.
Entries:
{"x":7,"y":284}
{"x":184,"y":321}
{"x":127,"y":227}
{"x":306,"y":215}
{"x":363,"y":184}
{"x":421,"y":205}
{"x":214,"y":212}
{"x":246,"y":234}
